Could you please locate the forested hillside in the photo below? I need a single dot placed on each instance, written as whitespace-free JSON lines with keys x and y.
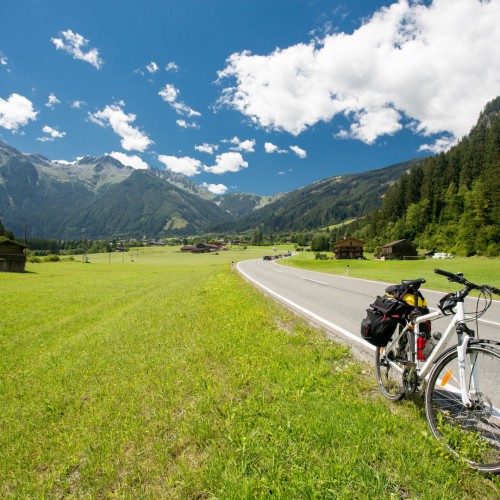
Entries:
{"x":450,"y":202}
{"x":326,"y":202}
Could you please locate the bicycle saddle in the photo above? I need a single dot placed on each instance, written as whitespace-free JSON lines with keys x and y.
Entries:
{"x":413,"y":283}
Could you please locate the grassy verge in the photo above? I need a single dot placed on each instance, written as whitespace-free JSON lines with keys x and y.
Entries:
{"x":479,"y":270}
{"x":170,"y":377}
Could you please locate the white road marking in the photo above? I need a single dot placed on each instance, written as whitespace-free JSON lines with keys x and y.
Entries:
{"x":313,"y":281}
{"x":490,"y":322}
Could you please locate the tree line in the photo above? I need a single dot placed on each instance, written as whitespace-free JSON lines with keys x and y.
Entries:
{"x":449,"y":203}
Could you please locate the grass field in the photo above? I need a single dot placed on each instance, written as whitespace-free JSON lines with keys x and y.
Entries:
{"x":154,"y":374}
{"x":476,"y":269}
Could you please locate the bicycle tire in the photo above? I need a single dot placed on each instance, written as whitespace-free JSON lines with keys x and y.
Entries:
{"x":390,"y":380}
{"x":472,"y":434}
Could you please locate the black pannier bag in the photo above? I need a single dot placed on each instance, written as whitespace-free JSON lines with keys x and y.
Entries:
{"x":382,"y":319}
{"x":387,"y":312}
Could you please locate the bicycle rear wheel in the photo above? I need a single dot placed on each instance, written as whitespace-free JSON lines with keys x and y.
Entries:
{"x":389,"y":367}
{"x":471,"y":433}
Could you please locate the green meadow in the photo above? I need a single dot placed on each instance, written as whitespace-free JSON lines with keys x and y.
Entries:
{"x":154,"y":374}
{"x":479,"y":270}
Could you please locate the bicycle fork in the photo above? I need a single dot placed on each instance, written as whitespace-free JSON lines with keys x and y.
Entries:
{"x":462,"y":352}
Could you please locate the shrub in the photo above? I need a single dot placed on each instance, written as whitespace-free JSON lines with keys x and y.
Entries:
{"x":52,"y":258}
{"x":321,"y":256}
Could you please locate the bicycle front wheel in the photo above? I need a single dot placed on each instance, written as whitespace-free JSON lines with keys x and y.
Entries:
{"x":471,"y":433}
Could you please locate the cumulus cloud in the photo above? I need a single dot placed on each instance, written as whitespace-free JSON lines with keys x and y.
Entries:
{"x":114,"y":116}
{"x":372,"y":123}
{"x":53,"y":100}
{"x":227,"y":162}
{"x":301,"y":153}
{"x":15,"y":112}
{"x":207,"y":148}
{"x":52,"y":134}
{"x":184,"y":165}
{"x":3,"y":59}
{"x":78,"y":104}
{"x":269,"y":147}
{"x":73,"y":43}
{"x":170,"y":94}
{"x":215,"y":188}
{"x":184,"y":124}
{"x":172,"y":67}
{"x":441,"y":144}
{"x":133,"y":161}
{"x":152,"y":67}
{"x":248,"y":146}
{"x":427,"y":66}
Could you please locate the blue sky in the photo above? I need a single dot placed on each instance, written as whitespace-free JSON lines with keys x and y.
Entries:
{"x":260,"y":96}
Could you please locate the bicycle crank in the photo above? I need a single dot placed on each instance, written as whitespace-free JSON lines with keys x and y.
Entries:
{"x":410,"y":379}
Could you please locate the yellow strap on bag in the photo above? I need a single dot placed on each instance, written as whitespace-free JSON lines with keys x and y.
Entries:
{"x":409,"y":299}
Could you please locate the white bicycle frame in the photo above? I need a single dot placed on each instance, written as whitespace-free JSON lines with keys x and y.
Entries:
{"x":424,"y":367}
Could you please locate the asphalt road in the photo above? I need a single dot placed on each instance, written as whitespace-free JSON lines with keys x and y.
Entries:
{"x":338,"y":303}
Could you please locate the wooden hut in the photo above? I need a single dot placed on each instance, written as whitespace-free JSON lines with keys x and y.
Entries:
{"x":12,"y":257}
{"x":399,"y":250}
{"x":349,"y":248}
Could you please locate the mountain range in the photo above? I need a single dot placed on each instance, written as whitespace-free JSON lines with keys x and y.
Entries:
{"x":100,"y":198}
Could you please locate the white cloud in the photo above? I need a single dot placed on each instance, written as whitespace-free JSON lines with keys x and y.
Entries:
{"x":15,"y":112}
{"x":247,"y":146}
{"x":66,"y":162}
{"x":429,"y":63}
{"x":53,"y":100}
{"x":172,"y":67}
{"x":113,"y":115}
{"x":133,"y":161}
{"x":301,"y":153}
{"x":170,"y":95}
{"x":73,"y":44}
{"x":215,"y":188}
{"x":185,"y":124}
{"x":207,"y":148}
{"x":440,"y":145}
{"x":373,"y":123}
{"x":78,"y":104}
{"x":185,"y":165}
{"x":227,"y":162}
{"x":53,"y":133}
{"x":3,"y":59}
{"x":269,"y":147}
{"x":152,"y":67}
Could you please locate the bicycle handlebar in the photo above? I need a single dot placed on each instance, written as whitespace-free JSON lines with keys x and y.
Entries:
{"x":458,"y":278}
{"x":450,"y":276}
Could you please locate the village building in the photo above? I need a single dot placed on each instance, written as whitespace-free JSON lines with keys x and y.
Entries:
{"x":200,"y":248}
{"x":349,"y":248}
{"x":399,"y":250}
{"x":12,"y":256}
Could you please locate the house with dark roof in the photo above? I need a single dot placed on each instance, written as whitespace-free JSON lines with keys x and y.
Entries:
{"x":200,"y":248}
{"x":349,"y":248}
{"x":399,"y":250}
{"x":12,"y":256}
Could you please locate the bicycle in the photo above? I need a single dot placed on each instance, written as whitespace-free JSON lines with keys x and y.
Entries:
{"x":462,"y":393}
